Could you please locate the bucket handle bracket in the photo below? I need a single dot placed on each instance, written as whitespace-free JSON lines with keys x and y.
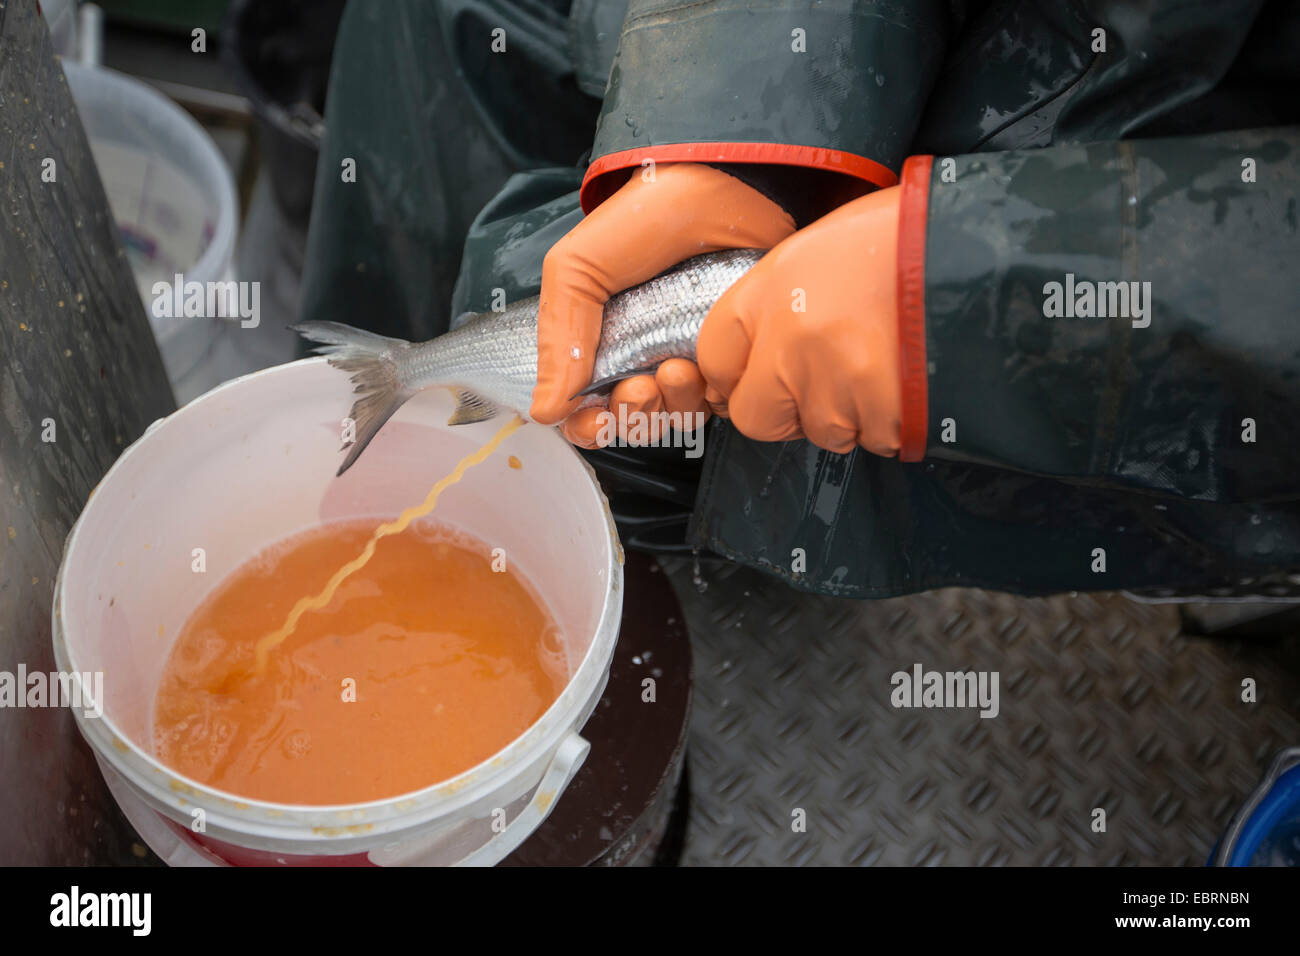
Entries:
{"x":564,"y":766}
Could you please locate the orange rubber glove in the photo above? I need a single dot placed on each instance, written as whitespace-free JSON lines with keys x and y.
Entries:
{"x":806,"y":343}
{"x":647,"y":226}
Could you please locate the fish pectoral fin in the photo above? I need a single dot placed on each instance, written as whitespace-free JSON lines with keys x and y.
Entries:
{"x":470,"y":408}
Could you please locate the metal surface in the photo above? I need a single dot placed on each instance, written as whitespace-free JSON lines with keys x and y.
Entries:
{"x":1103,"y":704}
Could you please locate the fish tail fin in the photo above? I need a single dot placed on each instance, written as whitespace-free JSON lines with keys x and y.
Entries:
{"x":372,"y":361}
{"x":335,"y":337}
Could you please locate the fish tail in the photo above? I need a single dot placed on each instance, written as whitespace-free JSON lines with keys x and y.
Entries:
{"x":372,"y":361}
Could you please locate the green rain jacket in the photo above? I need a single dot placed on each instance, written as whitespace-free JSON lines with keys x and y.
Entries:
{"x":1101,"y":346}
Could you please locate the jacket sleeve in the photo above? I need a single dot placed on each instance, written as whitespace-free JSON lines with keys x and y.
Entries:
{"x":1121,"y":313}
{"x":837,"y":86}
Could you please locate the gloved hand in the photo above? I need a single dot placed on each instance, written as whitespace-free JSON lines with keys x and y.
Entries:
{"x":644,"y":228}
{"x":829,"y":372}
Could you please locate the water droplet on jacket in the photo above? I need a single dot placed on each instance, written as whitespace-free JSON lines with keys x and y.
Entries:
{"x":697,"y":579}
{"x":575,"y":353}
{"x":880,"y":79}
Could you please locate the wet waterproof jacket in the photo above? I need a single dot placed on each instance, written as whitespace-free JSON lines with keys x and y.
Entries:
{"x":1101,"y":346}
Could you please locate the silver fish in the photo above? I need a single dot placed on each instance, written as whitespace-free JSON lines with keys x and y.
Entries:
{"x":490,"y":360}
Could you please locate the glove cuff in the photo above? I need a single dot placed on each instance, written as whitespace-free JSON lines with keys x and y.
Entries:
{"x":913,"y":205}
{"x":608,"y":172}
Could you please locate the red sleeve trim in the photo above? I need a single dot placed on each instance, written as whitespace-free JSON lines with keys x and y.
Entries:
{"x":913,"y":205}
{"x":600,"y":181}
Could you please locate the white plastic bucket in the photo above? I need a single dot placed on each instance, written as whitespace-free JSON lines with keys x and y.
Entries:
{"x":253,"y":462}
{"x":173,"y":198}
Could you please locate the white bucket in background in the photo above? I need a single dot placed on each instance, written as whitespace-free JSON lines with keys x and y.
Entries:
{"x":61,"y":17}
{"x":253,"y":462}
{"x":173,"y":198}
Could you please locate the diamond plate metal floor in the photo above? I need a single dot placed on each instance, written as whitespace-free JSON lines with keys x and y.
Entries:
{"x":1104,"y":703}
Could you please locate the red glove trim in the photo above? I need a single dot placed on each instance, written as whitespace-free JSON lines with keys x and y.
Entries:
{"x":913,"y":205}
{"x":601,"y":180}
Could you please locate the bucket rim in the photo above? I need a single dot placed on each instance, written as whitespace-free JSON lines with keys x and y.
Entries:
{"x":214,"y":261}
{"x":233,"y":814}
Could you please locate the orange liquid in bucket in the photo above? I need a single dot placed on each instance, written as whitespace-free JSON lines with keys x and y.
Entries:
{"x":423,"y":663}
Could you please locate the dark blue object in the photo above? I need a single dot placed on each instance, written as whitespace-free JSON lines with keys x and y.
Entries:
{"x":1266,"y":830}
